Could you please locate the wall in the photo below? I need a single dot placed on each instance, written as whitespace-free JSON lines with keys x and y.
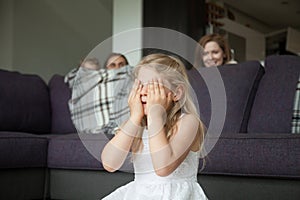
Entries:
{"x":127,"y":17}
{"x":52,"y":36}
{"x":6,"y":34}
{"x":254,"y":41}
{"x":183,"y":17}
{"x":249,"y":22}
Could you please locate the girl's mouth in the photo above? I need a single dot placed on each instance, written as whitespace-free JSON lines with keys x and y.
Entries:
{"x":143,"y":100}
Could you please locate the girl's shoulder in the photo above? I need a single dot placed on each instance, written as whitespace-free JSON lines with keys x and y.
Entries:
{"x":187,"y":121}
{"x":187,"y":116}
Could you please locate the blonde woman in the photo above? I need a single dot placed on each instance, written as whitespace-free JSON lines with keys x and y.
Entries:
{"x":164,"y":133}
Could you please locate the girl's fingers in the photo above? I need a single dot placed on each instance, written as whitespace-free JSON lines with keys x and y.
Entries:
{"x":136,"y":84}
{"x":156,"y":86}
{"x":161,"y":87}
{"x":150,"y":88}
{"x":133,"y":88}
{"x":136,"y":88}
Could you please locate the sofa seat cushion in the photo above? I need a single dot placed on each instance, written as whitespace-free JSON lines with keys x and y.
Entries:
{"x":24,"y":102}
{"x":22,"y":150}
{"x":78,"y":151}
{"x":228,"y":89}
{"x":265,"y":155}
{"x":272,"y":109}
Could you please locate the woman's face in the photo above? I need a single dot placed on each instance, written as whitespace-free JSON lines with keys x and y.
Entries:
{"x":213,"y":54}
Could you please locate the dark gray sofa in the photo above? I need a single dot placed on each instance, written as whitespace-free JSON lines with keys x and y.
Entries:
{"x":255,"y":155}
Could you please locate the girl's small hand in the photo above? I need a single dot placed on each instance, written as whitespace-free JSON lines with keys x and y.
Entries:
{"x":158,"y":96}
{"x":135,"y":104}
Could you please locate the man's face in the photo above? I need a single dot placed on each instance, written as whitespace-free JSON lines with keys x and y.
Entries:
{"x":115,"y":62}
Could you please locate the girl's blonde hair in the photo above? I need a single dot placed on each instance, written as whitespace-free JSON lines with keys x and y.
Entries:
{"x":173,"y":71}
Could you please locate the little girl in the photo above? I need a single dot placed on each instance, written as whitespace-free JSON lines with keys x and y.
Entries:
{"x":163,"y":132}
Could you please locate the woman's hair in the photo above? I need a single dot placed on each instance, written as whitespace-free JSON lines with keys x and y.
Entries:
{"x":173,"y":71}
{"x":221,"y":41}
{"x":113,"y":55}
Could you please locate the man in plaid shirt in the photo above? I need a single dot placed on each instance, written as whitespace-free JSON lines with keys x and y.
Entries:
{"x":99,"y":96}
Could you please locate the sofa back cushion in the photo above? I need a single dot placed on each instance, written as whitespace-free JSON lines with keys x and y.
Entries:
{"x":60,"y":94}
{"x":24,"y":103}
{"x":240,"y":83}
{"x":273,"y":104}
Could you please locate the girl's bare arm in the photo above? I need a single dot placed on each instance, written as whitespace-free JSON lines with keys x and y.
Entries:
{"x":117,"y":149}
{"x":166,"y":154}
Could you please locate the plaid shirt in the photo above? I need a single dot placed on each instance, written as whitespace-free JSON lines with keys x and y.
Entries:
{"x":99,"y":98}
{"x":296,"y":110}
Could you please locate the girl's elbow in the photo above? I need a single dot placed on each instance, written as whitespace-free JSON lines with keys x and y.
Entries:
{"x":107,"y":165}
{"x":108,"y":168}
{"x":163,"y":172}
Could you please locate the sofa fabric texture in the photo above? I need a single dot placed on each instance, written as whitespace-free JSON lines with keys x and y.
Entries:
{"x":19,"y":150}
{"x":24,"y":102}
{"x":240,"y":84}
{"x":272,"y":109}
{"x":255,"y":155}
{"x":60,"y":113}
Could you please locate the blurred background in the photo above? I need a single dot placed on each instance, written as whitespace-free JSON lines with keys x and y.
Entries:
{"x":47,"y":37}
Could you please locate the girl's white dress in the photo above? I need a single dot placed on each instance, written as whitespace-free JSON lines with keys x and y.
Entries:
{"x":180,"y":185}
